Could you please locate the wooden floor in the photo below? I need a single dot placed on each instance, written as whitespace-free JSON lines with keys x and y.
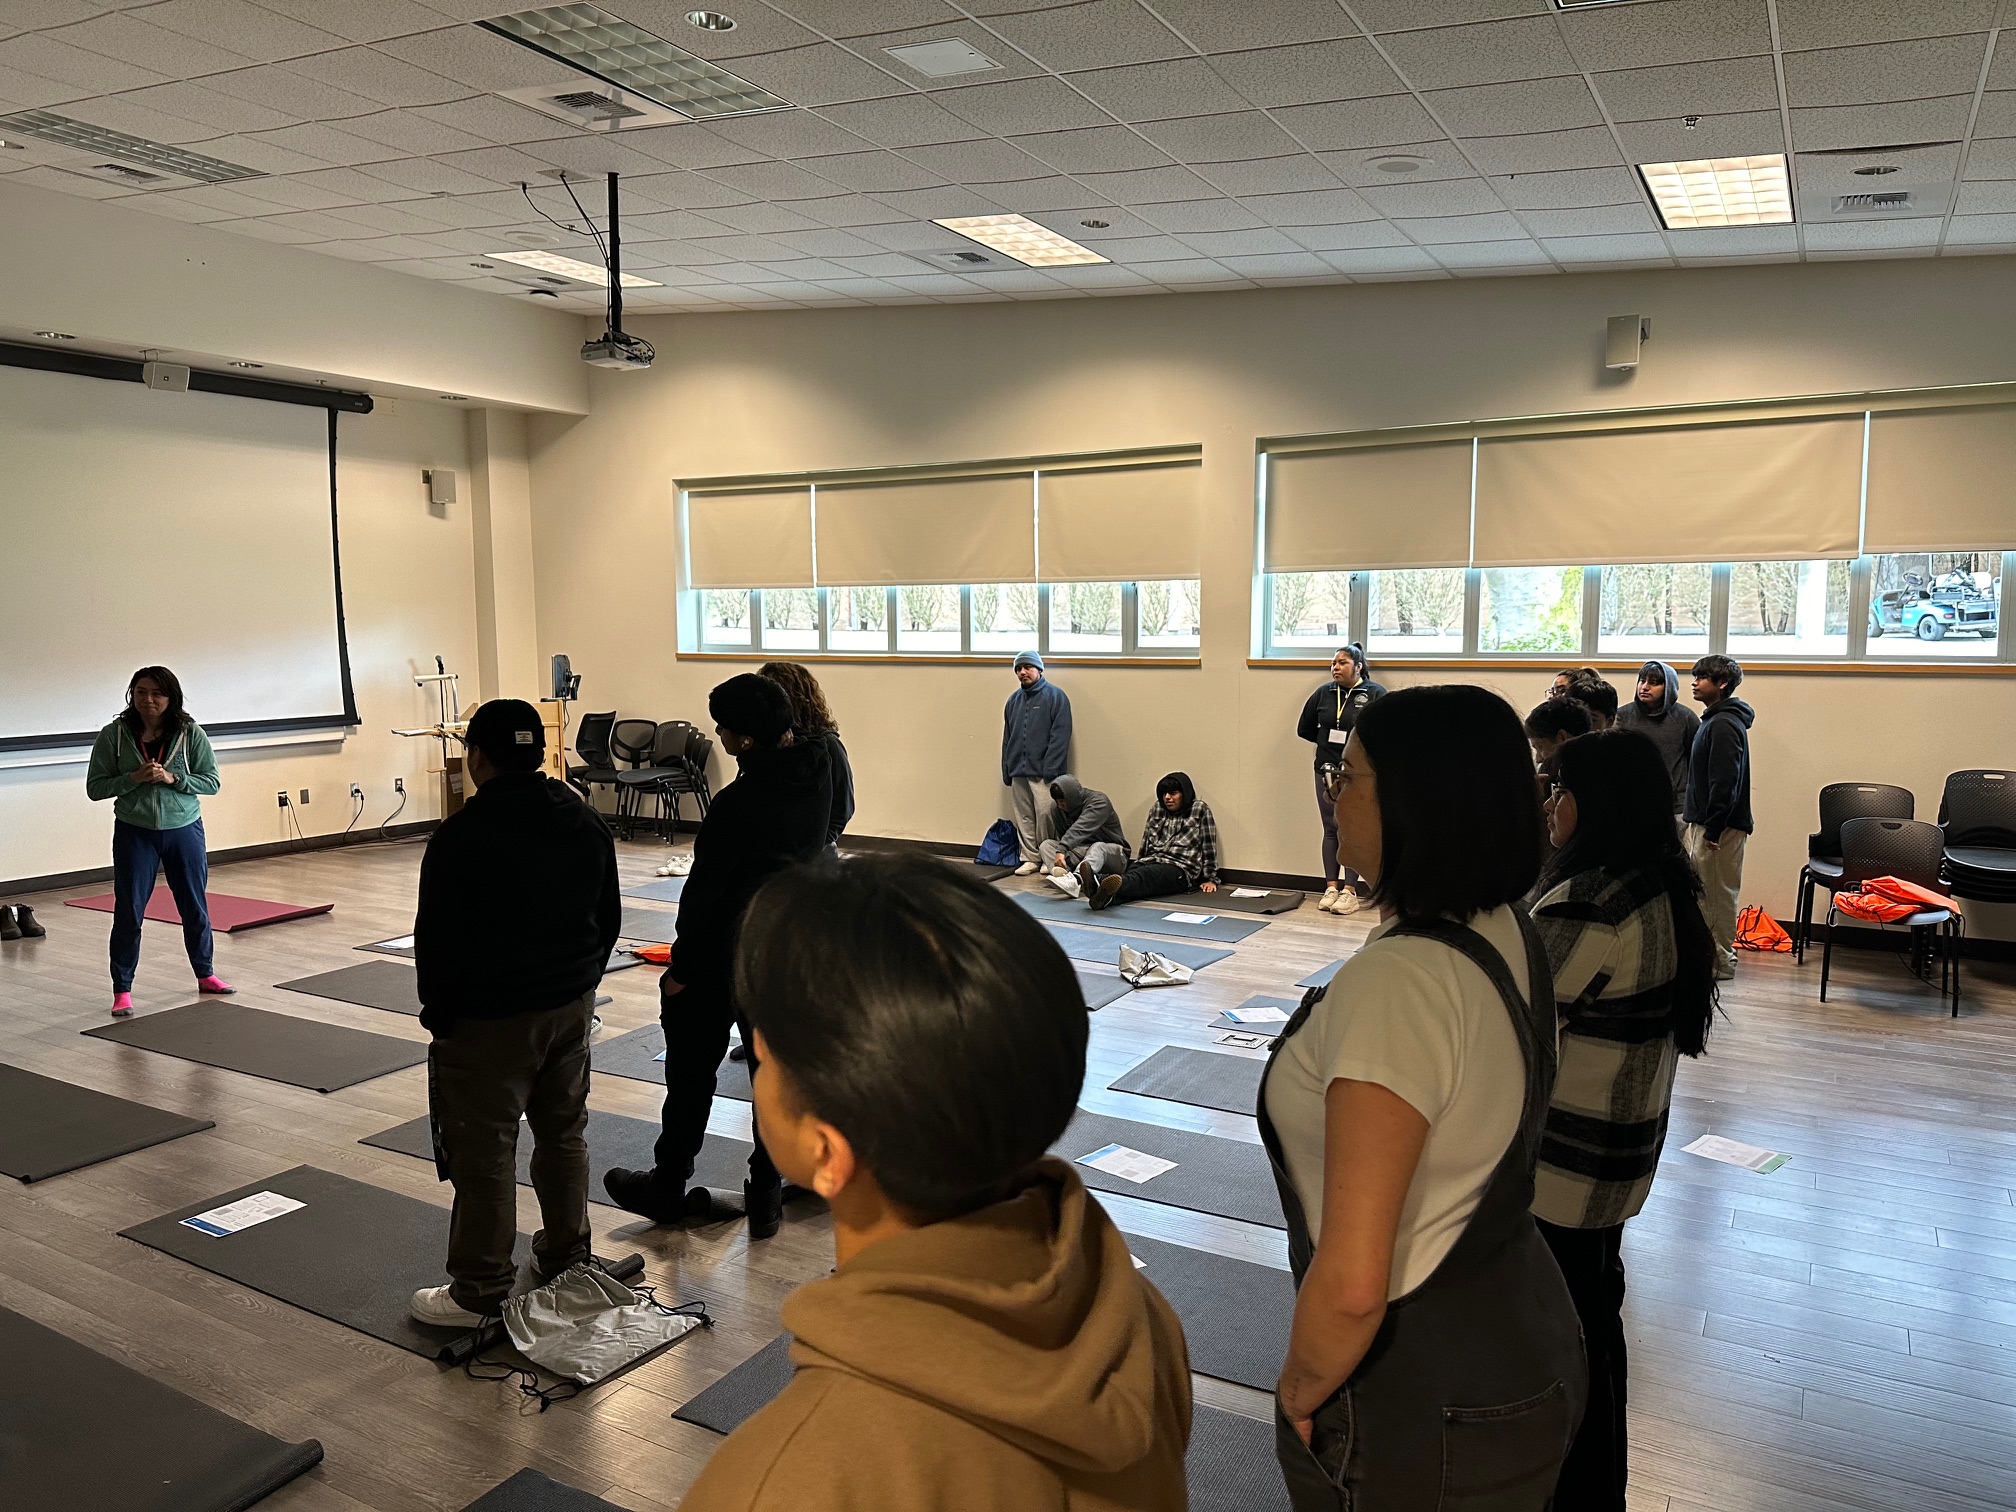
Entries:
{"x":1839,"y":1334}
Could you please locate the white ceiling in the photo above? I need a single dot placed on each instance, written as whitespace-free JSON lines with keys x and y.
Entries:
{"x":1225,"y":142}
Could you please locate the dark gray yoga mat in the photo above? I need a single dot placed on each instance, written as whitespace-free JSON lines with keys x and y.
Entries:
{"x":80,"y":1431}
{"x":1097,"y":945}
{"x":529,"y":1491}
{"x":1224,"y":901}
{"x":993,"y":873}
{"x":1229,"y":1177}
{"x":1235,"y":1314}
{"x":654,"y":924}
{"x":613,"y":1140}
{"x":744,"y":1391}
{"x":368,"y":984}
{"x":275,"y":1046}
{"x":1265,"y":1031}
{"x":1231,"y":1465}
{"x":1100,"y":990}
{"x":619,"y":959}
{"x":637,"y":1056}
{"x":1153,"y":921}
{"x":1321,"y":976}
{"x":664,"y":890}
{"x":48,"y":1127}
{"x":1202,"y":1078}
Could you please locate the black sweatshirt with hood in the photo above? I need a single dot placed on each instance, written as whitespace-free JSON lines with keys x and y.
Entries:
{"x":1670,"y":727}
{"x":1718,"y":771}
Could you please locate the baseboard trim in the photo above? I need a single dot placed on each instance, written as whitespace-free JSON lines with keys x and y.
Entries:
{"x":13,"y":887}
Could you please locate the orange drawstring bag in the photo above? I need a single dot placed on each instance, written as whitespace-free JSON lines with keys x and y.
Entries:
{"x":1757,"y":930}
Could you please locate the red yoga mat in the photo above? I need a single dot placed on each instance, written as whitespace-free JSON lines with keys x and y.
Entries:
{"x":227,"y":914}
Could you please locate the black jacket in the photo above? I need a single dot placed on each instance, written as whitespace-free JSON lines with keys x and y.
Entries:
{"x":1332,"y":707}
{"x":519,"y":906}
{"x":840,"y":785}
{"x":1718,"y":770}
{"x":775,"y":813}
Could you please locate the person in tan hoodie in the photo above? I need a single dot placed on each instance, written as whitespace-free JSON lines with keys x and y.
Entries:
{"x":985,"y":1342}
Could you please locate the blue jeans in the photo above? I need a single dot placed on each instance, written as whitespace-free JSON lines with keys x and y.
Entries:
{"x":137,"y":854}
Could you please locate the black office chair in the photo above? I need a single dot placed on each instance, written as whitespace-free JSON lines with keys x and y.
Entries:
{"x":1978,"y":813}
{"x":1840,"y":802}
{"x":630,"y":743}
{"x":1910,"y":850}
{"x":665,"y":778}
{"x":691,"y":776}
{"x":596,"y":768}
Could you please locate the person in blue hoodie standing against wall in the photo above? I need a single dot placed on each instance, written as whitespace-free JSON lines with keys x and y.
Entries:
{"x":1717,"y":812}
{"x":1035,"y":747}
{"x":1657,"y":713}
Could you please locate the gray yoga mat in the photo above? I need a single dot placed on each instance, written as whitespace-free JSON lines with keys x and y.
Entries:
{"x":88,"y":1434}
{"x":636,"y":1055}
{"x":1202,"y":1078}
{"x":368,"y":984}
{"x":1235,"y":1314}
{"x":48,"y":1127}
{"x":1224,"y":901}
{"x":1104,"y":948}
{"x":1265,"y":1031}
{"x":653,"y":924}
{"x":402,"y":946}
{"x":1229,"y":1177}
{"x":355,"y":1254}
{"x":1153,"y":921}
{"x":613,"y":1140}
{"x":1321,"y":976}
{"x":275,"y":1046}
{"x":993,"y":873}
{"x":1231,"y":1465}
{"x":664,"y":890}
{"x":744,"y":1391}
{"x":529,"y":1491}
{"x":1100,"y":990}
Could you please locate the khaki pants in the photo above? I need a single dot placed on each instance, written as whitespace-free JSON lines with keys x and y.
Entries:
{"x":1721,"y":880}
{"x":1033,"y":808}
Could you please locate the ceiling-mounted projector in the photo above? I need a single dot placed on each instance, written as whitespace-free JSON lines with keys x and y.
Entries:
{"x":618,"y":349}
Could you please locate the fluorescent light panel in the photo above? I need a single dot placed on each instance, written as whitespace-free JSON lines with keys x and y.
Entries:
{"x":1734,"y":191}
{"x":97,"y":140}
{"x":570,"y":267}
{"x":1019,"y":237}
{"x":588,"y":38}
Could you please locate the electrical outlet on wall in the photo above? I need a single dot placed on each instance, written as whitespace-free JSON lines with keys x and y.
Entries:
{"x":304,"y":795}
{"x":399,"y":785}
{"x":282,"y":796}
{"x":356,"y":791}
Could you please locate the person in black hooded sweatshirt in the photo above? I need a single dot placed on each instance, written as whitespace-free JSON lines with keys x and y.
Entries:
{"x":774,"y":814}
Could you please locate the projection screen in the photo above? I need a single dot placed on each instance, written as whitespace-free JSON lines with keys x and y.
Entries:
{"x":193,"y":530}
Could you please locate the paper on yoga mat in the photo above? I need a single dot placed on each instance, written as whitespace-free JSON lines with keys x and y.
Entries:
{"x":1213,"y":1174}
{"x":1268,"y":1027}
{"x":744,"y":1391}
{"x":48,"y":1127}
{"x":1235,"y":1314}
{"x":1128,"y":916}
{"x":529,"y":1491}
{"x":613,"y":1140}
{"x":227,"y":913}
{"x":1230,"y":1465}
{"x":1099,"y":946}
{"x":640,"y":1055}
{"x":276,"y":1046}
{"x":352,"y":1253}
{"x":1201,"y":1078}
{"x":663,"y":890}
{"x":87,"y":1434}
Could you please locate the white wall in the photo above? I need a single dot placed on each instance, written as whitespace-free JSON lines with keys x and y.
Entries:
{"x":741,"y":393}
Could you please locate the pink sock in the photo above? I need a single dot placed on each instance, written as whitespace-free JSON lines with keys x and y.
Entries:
{"x":215,"y":984}
{"x":122,"y":1002}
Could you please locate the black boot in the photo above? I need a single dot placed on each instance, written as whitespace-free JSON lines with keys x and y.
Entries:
{"x":765,"y":1206}
{"x":9,"y":930}
{"x":638,"y":1192}
{"x":24,"y":920}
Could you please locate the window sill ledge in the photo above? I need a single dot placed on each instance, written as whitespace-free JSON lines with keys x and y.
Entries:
{"x":920,"y":659}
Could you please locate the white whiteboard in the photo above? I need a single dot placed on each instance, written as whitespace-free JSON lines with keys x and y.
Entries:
{"x":141,"y":527}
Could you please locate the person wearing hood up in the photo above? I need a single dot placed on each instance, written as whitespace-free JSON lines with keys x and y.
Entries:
{"x":1035,"y":751}
{"x":1657,"y":713}
{"x":1086,"y":830}
{"x":518,"y":913}
{"x":1179,"y":851}
{"x":985,"y":1341}
{"x":775,"y":814}
{"x":1717,"y":809}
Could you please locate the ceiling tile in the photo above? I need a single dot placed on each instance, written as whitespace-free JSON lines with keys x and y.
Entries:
{"x":1326,"y":239}
{"x":1502,"y":109}
{"x":1220,"y":138}
{"x":44,"y":57}
{"x":1218,"y":27}
{"x":1158,"y":91}
{"x":1346,"y":70}
{"x":1517,"y":252}
{"x":1319,"y":207}
{"x":1450,"y":197}
{"x":1181,"y":217}
{"x":976,"y":162}
{"x":1837,"y":23}
{"x":1597,"y":220}
{"x":747,"y":248}
{"x":594,"y":155}
{"x":1268,"y":178}
{"x":1120,"y":224}
{"x":425,"y":176}
{"x":1493,"y":52}
{"x":844,"y":210}
{"x":1093,"y":149}
{"x":1996,"y":198}
{"x":1604,"y":248}
{"x":265,"y":230}
{"x":253,"y":30}
{"x":859,"y":18}
{"x":411,"y":132}
{"x":330,"y":145}
{"x":1917,"y":70}
{"x":27,"y":91}
{"x":1874,"y":125}
{"x":1918,"y":169}
{"x":396,"y":219}
{"x":1856,"y":235}
{"x":1992,"y":159}
{"x":266,"y":157}
{"x":771,"y":180}
{"x":480,"y":59}
{"x":1672,"y":31}
{"x":1723,"y":87}
{"x":1018,"y":107}
{"x":377,"y":76}
{"x":226,"y":200}
{"x":1735,"y":241}
{"x":1997,"y":116}
{"x":1093,"y":34}
{"x":1231,"y":243}
{"x":1395,"y":259}
{"x":326,"y":227}
{"x":1749,"y":134}
{"x":1575,"y":189}
{"x":1147,"y":186}
{"x":873,"y":172}
{"x":121,"y":113}
{"x":359,"y":187}
{"x":1384,"y":121}
{"x":1406,"y":15}
{"x":789,"y":134}
{"x":1144,"y":249}
{"x":1293,"y":264}
{"x":1432,"y":229}
{"x":132,"y":40}
{"x":764,"y":219}
{"x":1547,"y":151}
{"x":823,"y":75}
{"x":295,"y":193}
{"x":908,"y":235}
{"x":209,"y":107}
{"x":361,"y":20}
{"x":1432,"y":160}
{"x":1982,"y":228}
{"x":1051,"y":193}
{"x":942,"y":204}
{"x":758,"y":28}
{"x":293,"y":94}
{"x":1196,"y":271}
{"x":899,"y":121}
{"x":173,"y":207}
{"x":506,"y":124}
{"x":827,"y":243}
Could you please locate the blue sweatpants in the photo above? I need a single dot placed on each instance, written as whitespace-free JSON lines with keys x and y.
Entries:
{"x":137,"y":854}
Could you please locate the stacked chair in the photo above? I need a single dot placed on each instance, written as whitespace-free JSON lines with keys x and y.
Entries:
{"x":674,"y":767}
{"x":597,"y":767}
{"x":1840,"y":802}
{"x":1912,"y":851}
{"x":1977,"y":811}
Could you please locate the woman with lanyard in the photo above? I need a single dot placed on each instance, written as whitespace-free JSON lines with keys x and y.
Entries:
{"x":1435,"y":1359}
{"x":1326,"y":720}
{"x":154,"y":762}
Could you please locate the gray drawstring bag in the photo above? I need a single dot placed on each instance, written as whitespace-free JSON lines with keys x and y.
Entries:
{"x":1151,"y":968}
{"x":585,"y":1325}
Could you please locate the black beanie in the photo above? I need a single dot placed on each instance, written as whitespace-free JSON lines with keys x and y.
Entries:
{"x":751,"y":706}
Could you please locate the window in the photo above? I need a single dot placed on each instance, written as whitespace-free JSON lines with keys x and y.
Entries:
{"x":1660,"y":609}
{"x":1935,"y":604}
{"x":1085,"y":617}
{"x":1313,"y":610}
{"x":858,"y":619}
{"x":1415,"y":611}
{"x":791,"y":619}
{"x":927,"y":619}
{"x":1168,"y":616}
{"x":725,"y":617}
{"x":1530,"y":609}
{"x":1004,"y":617}
{"x":1788,"y":609}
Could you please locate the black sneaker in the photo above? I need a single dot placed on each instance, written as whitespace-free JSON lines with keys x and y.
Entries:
{"x":1107,"y":890}
{"x":24,"y":920}
{"x":765,"y":1207}
{"x":638,"y":1192}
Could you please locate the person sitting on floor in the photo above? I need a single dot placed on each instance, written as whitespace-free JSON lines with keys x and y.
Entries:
{"x":1084,"y":826}
{"x":1179,"y":851}
{"x":985,"y":1341}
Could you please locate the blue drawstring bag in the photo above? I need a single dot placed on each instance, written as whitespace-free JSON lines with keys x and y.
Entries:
{"x":1002,"y":847}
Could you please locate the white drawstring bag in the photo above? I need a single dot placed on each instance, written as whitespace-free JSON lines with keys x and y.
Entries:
{"x":584,"y":1325}
{"x":1151,"y":968}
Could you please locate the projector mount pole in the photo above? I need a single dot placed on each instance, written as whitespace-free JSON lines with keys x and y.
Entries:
{"x":615,"y":262}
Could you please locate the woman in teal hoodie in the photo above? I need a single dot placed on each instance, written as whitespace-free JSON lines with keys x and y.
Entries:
{"x":154,"y":762}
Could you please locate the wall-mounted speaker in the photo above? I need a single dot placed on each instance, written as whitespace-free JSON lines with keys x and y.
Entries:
{"x":1627,"y":333}
{"x":440,"y":485}
{"x":170,"y":377}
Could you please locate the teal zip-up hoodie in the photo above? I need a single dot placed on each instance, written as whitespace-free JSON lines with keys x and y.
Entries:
{"x":152,"y":805}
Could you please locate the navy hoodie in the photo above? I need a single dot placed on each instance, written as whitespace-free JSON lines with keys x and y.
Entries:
{"x":1035,"y":733}
{"x":1718,"y":770}
{"x":1670,"y":727}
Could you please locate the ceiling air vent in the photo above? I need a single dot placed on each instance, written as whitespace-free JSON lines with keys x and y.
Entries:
{"x":119,"y":173}
{"x":1871,"y":204}
{"x":604,"y":107}
{"x":967,"y":260}
{"x":600,"y":106}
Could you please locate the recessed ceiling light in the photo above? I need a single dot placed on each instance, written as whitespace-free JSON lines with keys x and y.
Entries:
{"x":571,"y":267}
{"x":484,"y":265}
{"x":1019,"y":237}
{"x":237,"y":363}
{"x":455,"y":398}
{"x":1095,"y":225}
{"x":588,"y":38}
{"x":1398,"y":162}
{"x":540,"y":294}
{"x":55,"y":335}
{"x":942,"y":60}
{"x":710,"y":20}
{"x":1875,"y":170}
{"x":97,"y":141}
{"x":7,"y":146}
{"x":1733,"y":191}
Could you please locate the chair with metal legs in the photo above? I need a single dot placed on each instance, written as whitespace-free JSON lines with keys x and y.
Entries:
{"x":1840,"y":802}
{"x":1910,"y":850}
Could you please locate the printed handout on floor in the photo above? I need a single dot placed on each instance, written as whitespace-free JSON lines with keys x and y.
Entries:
{"x":246,"y":1212}
{"x":1732,"y":1152}
{"x":1254,"y":1015}
{"x":1249,"y":892}
{"x":1189,"y":918}
{"x":1128,"y":1165}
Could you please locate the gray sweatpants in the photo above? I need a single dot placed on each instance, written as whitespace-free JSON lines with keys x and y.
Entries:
{"x":1031,"y":799}
{"x":1105,"y":856}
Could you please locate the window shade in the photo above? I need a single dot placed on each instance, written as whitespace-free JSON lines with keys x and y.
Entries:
{"x":1369,"y":507}
{"x":1942,"y":480}
{"x":760,"y":539}
{"x":1122,"y":524}
{"x":937,"y":530}
{"x":1777,"y":490}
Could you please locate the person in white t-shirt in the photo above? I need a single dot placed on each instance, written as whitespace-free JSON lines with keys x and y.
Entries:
{"x":1435,"y":1349}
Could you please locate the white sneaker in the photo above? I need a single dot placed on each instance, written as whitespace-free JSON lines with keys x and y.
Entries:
{"x":1026,"y":869}
{"x":594,"y":1023}
{"x":1348,"y":902}
{"x":1328,"y":902}
{"x":432,"y":1305}
{"x":678,"y":866}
